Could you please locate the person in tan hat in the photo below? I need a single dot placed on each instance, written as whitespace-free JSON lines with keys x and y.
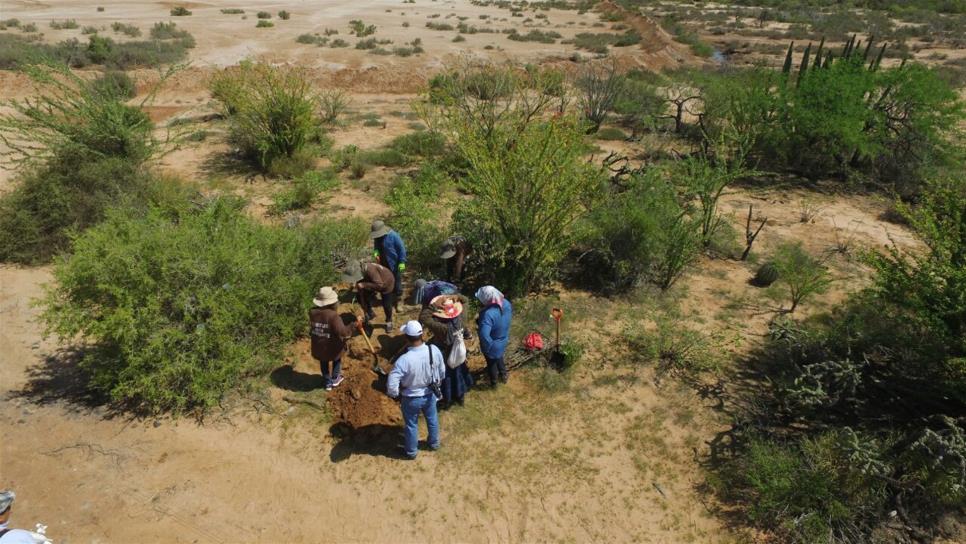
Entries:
{"x":329,"y":334}
{"x":369,"y":279}
{"x":443,"y":318}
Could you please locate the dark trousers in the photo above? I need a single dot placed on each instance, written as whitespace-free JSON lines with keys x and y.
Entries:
{"x":365,"y":300}
{"x":399,"y":286}
{"x":496,"y":368}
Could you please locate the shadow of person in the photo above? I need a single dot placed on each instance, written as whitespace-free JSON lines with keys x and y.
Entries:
{"x":286,"y":377}
{"x":391,"y":347}
{"x":377,"y":440}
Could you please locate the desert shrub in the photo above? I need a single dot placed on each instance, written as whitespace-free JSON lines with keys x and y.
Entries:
{"x":595,"y":43}
{"x":179,"y":310}
{"x":360,"y":29}
{"x":272,"y":111}
{"x":366,"y":44}
{"x":284,"y":15}
{"x":338,"y":42}
{"x":66,"y":24}
{"x":81,"y":150}
{"x":800,"y":276}
{"x":415,"y":202}
{"x":89,"y":30}
{"x":180,"y":11}
{"x":541,"y":36}
{"x":303,"y":191}
{"x":168,"y":31}
{"x":116,"y":84}
{"x":16,"y":52}
{"x":705,"y":180}
{"x":332,"y":104}
{"x":309,"y":39}
{"x":263,"y":15}
{"x":599,"y":86}
{"x":386,"y":157}
{"x":425,"y":144}
{"x":262,"y":23}
{"x":532,"y":185}
{"x":642,"y":233}
{"x":674,"y":346}
{"x":432,"y":25}
{"x":126,"y":29}
{"x":458,"y":38}
{"x":232,"y":11}
{"x":841,"y":119}
{"x":611,"y":133}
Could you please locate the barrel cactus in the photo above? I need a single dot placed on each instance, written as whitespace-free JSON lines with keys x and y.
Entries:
{"x":767,"y":274}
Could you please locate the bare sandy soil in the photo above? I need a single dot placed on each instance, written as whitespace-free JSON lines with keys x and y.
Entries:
{"x":616,"y":457}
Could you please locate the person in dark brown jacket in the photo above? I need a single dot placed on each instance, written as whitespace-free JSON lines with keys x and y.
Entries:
{"x":329,"y":334}
{"x":369,"y":279}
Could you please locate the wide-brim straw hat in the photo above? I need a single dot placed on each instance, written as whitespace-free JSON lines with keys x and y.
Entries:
{"x":352,"y":272}
{"x":446,"y":307}
{"x":379,"y":229}
{"x":325,"y":297}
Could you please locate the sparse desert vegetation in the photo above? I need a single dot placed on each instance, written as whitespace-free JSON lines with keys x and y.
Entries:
{"x":743,"y":221}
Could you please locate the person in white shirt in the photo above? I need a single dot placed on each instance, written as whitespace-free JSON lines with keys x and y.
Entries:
{"x":15,"y":536}
{"x":415,"y":381}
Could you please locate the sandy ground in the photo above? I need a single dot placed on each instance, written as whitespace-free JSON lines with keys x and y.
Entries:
{"x":615,"y":458}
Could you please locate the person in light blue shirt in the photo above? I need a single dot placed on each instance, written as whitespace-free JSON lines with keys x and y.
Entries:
{"x":415,"y":380}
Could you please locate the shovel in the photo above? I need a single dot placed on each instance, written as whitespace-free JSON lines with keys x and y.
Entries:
{"x":557,"y":358}
{"x":362,"y":331}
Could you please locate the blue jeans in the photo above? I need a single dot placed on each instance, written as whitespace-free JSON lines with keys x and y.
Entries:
{"x":411,"y":407}
{"x":336,"y":370}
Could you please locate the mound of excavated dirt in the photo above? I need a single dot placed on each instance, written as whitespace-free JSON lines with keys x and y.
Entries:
{"x":361,"y":399}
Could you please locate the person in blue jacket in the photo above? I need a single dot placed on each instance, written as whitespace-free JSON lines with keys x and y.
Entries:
{"x":494,"y":331}
{"x":391,"y":252}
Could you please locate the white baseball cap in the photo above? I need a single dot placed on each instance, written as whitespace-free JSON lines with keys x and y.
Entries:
{"x":412,"y":328}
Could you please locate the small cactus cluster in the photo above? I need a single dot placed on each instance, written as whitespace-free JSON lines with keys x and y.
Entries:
{"x":766,"y":275}
{"x":850,"y":52}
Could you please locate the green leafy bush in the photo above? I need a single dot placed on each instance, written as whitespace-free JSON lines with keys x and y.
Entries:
{"x":180,"y":11}
{"x":273,"y":111}
{"x":426,"y":144}
{"x":642,"y":233}
{"x":862,"y":409}
{"x":262,"y":23}
{"x":263,"y":15}
{"x":415,"y":202}
{"x":529,"y":196}
{"x":303,"y":191}
{"x":66,"y":24}
{"x":126,"y":29}
{"x":179,"y":310}
{"x":611,"y":134}
{"x":799,"y":274}
{"x":81,"y":150}
{"x":540,"y":36}
{"x":284,"y":15}
{"x":17,"y":52}
{"x":360,"y":29}
{"x":116,"y":84}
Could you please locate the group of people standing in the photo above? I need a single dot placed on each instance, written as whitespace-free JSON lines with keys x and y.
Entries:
{"x":428,"y":374}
